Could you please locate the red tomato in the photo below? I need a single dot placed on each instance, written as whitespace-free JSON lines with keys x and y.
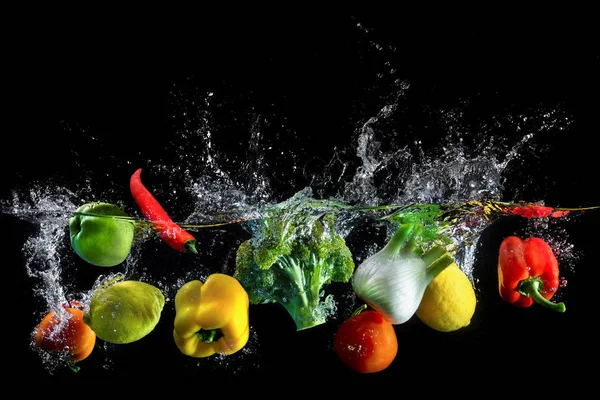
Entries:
{"x":72,"y":337}
{"x":366,"y":342}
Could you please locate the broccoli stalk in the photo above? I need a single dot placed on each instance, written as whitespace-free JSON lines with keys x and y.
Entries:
{"x":290,"y":261}
{"x":303,"y":304}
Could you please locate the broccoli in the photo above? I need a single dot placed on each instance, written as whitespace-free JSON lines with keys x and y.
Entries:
{"x":289,"y":260}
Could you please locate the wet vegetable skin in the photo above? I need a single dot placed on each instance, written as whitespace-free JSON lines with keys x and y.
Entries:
{"x":71,"y":337}
{"x":366,"y":342}
{"x":528,"y":273}
{"x":169,"y":231}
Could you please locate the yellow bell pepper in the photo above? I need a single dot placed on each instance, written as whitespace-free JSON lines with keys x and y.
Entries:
{"x":211,"y":317}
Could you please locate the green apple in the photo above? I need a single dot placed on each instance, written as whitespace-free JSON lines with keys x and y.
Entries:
{"x":101,"y":238}
{"x":125,"y":311}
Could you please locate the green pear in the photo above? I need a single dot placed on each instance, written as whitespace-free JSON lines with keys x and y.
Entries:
{"x":102,"y":239}
{"x":125,"y":311}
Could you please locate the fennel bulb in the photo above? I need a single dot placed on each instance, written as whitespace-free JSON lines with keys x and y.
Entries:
{"x":393,"y":280}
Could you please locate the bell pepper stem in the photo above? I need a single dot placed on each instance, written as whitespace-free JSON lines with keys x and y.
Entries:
{"x":207,"y":335}
{"x":531,"y":287}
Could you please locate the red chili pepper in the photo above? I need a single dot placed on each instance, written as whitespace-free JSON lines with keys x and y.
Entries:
{"x":170,"y":232}
{"x":532,"y":211}
{"x":528,"y":272}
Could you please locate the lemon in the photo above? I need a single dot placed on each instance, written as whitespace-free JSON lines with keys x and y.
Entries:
{"x":449,"y":301}
{"x":125,"y":311}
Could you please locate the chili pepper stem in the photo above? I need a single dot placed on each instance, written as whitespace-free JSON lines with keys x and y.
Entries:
{"x":531,"y":287}
{"x":190,"y":247}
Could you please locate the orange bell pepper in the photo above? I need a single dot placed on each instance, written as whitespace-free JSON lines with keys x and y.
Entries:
{"x":66,"y":335}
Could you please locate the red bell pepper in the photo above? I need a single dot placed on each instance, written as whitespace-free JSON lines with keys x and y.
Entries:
{"x":528,"y":272}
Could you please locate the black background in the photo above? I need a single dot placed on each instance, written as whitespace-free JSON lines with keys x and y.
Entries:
{"x":116,"y":85}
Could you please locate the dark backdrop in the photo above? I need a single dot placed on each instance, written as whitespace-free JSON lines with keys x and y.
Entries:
{"x":117,"y":86}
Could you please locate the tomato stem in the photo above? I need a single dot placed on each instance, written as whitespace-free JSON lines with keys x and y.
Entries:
{"x":73,"y":367}
{"x":359,"y":310}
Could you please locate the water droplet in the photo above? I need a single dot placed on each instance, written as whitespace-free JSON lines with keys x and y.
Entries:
{"x":562,"y":283}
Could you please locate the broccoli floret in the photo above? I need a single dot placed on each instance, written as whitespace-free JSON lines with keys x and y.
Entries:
{"x":290,"y":260}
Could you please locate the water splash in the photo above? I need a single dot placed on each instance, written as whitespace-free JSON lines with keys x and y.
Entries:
{"x":451,"y":171}
{"x":384,"y":164}
{"x":47,"y":209}
{"x":468,"y":163}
